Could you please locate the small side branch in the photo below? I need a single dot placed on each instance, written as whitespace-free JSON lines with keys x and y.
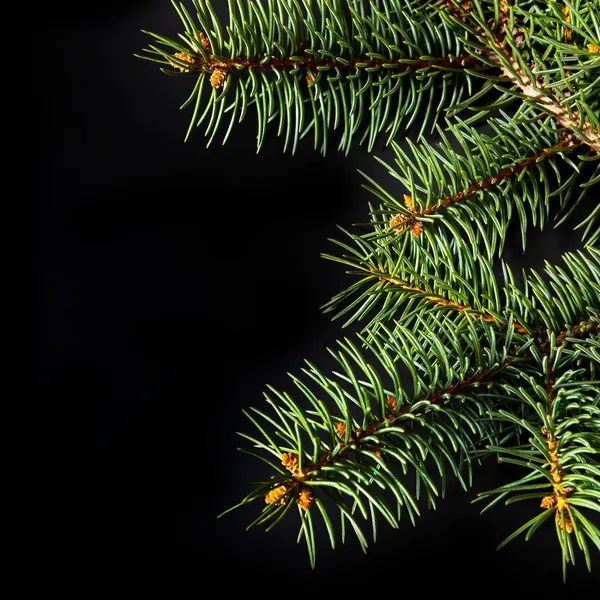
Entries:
{"x":401,"y":221}
{"x":439,"y":300}
{"x":296,"y":489}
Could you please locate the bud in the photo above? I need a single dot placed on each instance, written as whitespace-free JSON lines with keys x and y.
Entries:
{"x":397,"y":222}
{"x":218,"y":77}
{"x":305,"y":497}
{"x":275,"y":495}
{"x":185,"y":58}
{"x":417,"y":229}
{"x":548,"y":501}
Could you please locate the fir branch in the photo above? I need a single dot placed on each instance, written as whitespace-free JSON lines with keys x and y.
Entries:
{"x":563,"y":300}
{"x":438,"y":396}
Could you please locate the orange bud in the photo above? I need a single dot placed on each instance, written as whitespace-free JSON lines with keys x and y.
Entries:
{"x":341,"y":429}
{"x":204,"y":41}
{"x":275,"y":495}
{"x":397,"y":221}
{"x":218,"y":77}
{"x":290,"y":462}
{"x":185,"y":58}
{"x":305,"y":498}
{"x":548,"y":501}
{"x":417,"y":229}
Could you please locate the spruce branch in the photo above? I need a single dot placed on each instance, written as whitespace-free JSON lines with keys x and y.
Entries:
{"x":457,"y":360}
{"x":351,"y":457}
{"x":564,"y":473}
{"x":482,"y":182}
{"x":367,"y":67}
{"x":340,"y":51}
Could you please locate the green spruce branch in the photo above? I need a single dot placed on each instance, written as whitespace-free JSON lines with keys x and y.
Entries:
{"x":459,"y":360}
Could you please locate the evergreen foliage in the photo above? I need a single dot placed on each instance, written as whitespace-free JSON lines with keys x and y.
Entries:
{"x":459,"y":360}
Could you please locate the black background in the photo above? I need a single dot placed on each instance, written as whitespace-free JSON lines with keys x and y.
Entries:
{"x":174,"y":282}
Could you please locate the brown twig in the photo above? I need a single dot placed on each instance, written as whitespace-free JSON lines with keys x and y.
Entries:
{"x":311,"y":64}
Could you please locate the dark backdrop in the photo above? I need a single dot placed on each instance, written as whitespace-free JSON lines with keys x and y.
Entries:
{"x":174,"y":282}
